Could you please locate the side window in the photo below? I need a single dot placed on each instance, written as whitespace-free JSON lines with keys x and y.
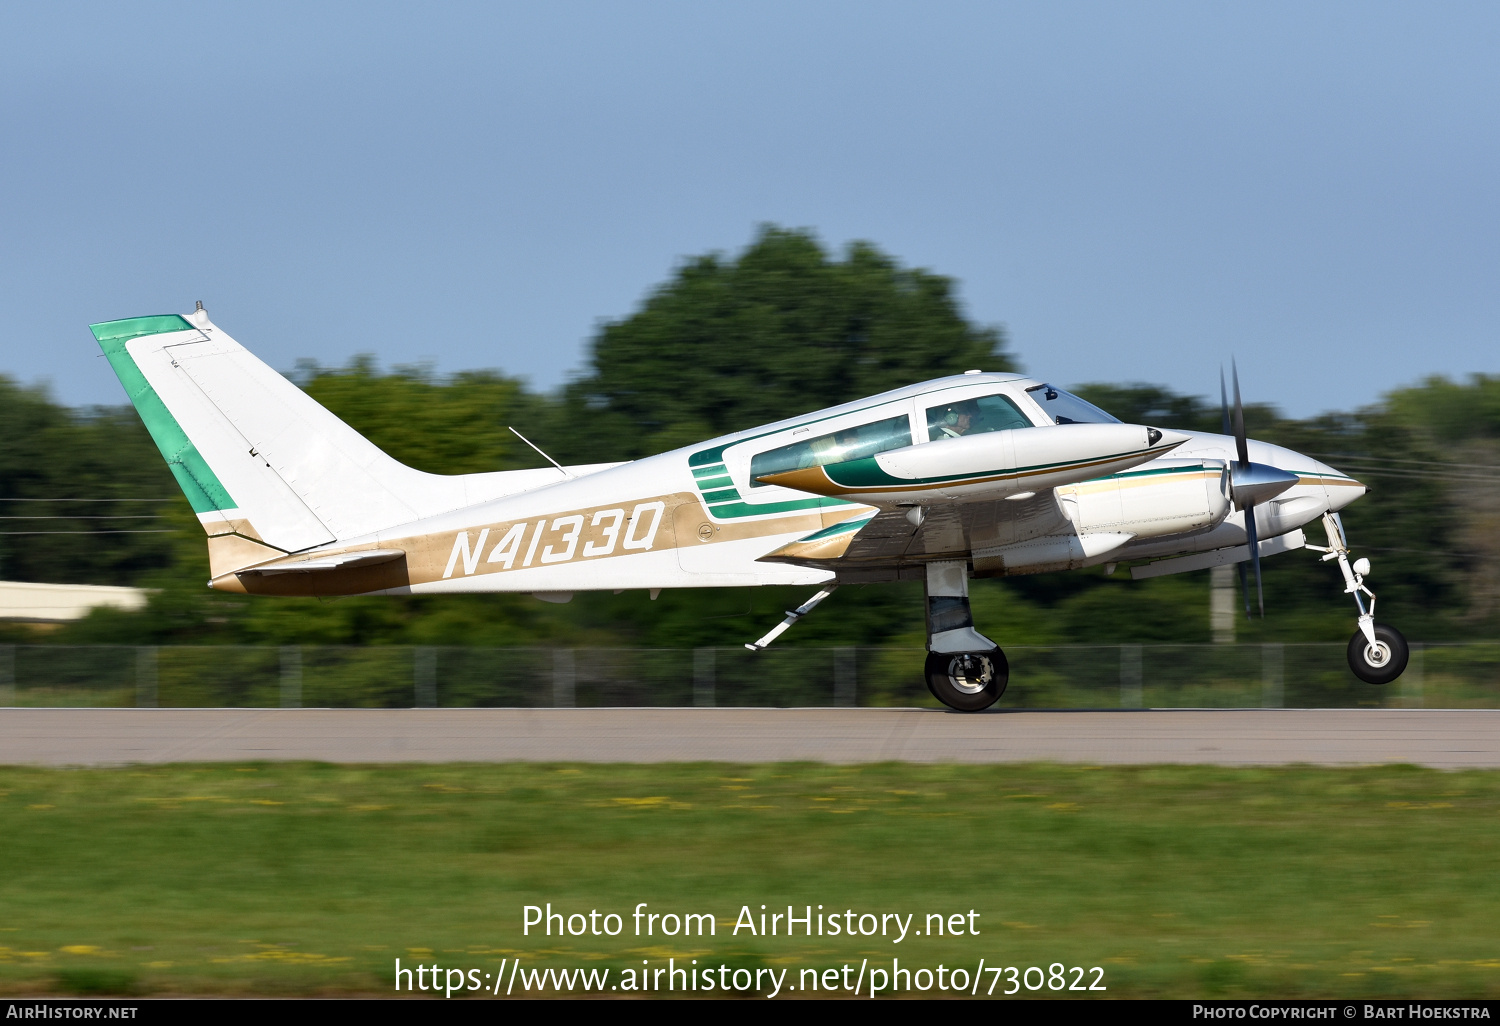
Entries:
{"x":974,"y":417}
{"x":836,"y":447}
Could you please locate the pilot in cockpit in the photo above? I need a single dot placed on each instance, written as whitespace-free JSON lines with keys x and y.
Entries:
{"x":955,"y":421}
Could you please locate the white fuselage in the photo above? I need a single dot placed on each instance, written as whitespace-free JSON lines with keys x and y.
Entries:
{"x":696,"y":517}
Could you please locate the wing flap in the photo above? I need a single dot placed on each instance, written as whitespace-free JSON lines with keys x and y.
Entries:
{"x":895,"y":538}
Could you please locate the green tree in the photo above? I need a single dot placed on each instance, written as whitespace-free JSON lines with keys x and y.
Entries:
{"x":781,"y":329}
{"x":1161,"y":407}
{"x":82,"y":492}
{"x":458,"y":425}
{"x":1449,"y":411}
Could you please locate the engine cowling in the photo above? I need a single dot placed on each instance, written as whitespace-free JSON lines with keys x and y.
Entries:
{"x":1173,"y":498}
{"x":1106,"y":514}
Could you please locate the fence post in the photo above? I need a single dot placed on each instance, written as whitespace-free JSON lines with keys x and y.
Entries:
{"x":1412,"y":680}
{"x":291,"y":676}
{"x":1221,"y":614}
{"x":7,"y":675}
{"x":1130,"y":676}
{"x":844,"y":668}
{"x":564,"y":674}
{"x":703,"y":677}
{"x":145,"y":677}
{"x":424,"y":672}
{"x":1272,"y":676}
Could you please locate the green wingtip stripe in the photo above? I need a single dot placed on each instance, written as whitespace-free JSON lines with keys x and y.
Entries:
{"x":203,"y":490}
{"x":135,"y":327}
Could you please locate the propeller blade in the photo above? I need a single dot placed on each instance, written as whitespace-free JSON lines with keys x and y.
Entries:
{"x":1242,"y":447}
{"x":1223,"y":402}
{"x":1239,"y":418}
{"x":1255,"y":560}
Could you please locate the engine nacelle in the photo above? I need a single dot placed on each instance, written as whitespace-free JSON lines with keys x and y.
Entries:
{"x":1170,"y":497}
{"x":1147,"y":503}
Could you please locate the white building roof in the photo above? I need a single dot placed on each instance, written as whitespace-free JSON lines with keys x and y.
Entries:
{"x":54,"y":603}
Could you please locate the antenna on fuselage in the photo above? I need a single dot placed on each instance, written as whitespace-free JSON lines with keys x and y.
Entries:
{"x":543,"y":455}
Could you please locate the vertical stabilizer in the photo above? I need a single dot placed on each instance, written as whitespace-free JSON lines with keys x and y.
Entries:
{"x":266,"y":468}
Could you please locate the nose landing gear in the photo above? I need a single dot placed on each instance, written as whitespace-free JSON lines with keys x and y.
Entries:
{"x":1377,"y":652}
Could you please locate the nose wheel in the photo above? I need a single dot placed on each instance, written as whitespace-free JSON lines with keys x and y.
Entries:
{"x":1377,"y":652}
{"x":1380,"y":661}
{"x":967,"y":681}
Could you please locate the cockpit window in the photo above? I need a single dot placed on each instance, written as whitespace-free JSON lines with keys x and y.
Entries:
{"x":973,"y":417}
{"x":852,"y":443}
{"x":1066,"y":408}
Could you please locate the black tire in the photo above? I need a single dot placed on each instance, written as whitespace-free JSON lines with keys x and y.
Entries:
{"x":1383,"y":664}
{"x":969,"y":681}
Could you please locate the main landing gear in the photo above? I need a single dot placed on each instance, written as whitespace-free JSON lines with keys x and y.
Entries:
{"x":1377,"y":652}
{"x":965,"y":670}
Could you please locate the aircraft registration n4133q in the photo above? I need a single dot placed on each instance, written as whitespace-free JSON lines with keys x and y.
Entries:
{"x":972,"y":475}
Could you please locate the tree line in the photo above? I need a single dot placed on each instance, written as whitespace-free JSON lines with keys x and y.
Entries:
{"x":728,"y":342}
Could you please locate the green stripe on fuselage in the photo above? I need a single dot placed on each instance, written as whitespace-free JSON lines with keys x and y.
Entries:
{"x":727,"y":504}
{"x":198,"y":482}
{"x":734,"y":510}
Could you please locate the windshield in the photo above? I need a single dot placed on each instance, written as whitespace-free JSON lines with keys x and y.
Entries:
{"x":1066,"y":408}
{"x":851,"y":443}
{"x":974,"y":417}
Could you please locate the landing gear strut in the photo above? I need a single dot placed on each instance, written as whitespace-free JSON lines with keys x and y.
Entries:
{"x":965,"y":670}
{"x":1377,"y":652}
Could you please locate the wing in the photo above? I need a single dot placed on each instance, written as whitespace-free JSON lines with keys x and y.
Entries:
{"x":894,"y":544}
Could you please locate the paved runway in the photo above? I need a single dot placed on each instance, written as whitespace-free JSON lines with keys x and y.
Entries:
{"x":1448,"y":739}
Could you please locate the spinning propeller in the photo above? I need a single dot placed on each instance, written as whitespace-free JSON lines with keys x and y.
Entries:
{"x":1249,"y":484}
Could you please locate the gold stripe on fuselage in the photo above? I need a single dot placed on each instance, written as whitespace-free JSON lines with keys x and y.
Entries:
{"x":557,"y":538}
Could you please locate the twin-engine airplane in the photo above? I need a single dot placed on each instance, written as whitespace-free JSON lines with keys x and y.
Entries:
{"x":974,"y":475}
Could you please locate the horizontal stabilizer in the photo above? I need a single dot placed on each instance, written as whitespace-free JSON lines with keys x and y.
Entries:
{"x":336,"y":561}
{"x":1217,"y":557}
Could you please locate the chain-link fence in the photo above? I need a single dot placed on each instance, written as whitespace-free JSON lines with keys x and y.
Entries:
{"x":1449,"y":676}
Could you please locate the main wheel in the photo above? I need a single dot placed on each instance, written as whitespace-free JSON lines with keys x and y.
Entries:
{"x":1381,"y":662}
{"x":969,"y":681}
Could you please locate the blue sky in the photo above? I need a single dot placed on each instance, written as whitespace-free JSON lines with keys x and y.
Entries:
{"x":1135,"y":191}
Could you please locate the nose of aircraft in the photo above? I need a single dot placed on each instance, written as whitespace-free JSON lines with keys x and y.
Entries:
{"x":1341,"y":488}
{"x":1156,"y":436}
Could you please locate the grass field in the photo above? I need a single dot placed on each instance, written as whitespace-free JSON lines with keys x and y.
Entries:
{"x":1178,"y":881}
